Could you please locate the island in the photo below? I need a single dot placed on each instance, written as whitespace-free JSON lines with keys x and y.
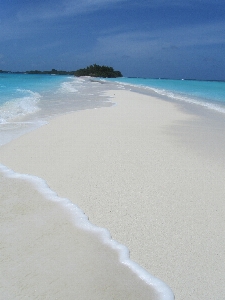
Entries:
{"x":52,"y":72}
{"x":98,"y":71}
{"x":92,"y":70}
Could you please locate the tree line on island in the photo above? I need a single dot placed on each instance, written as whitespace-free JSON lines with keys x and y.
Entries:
{"x":52,"y":72}
{"x":92,"y":70}
{"x":98,"y":71}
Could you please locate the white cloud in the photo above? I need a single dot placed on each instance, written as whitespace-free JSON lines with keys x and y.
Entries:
{"x":197,"y":35}
{"x":20,"y":22}
{"x":180,"y":3}
{"x":148,"y":43}
{"x":52,"y":9}
{"x":11,"y":30}
{"x":155,"y":46}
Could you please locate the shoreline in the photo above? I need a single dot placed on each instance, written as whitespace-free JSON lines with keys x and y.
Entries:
{"x":131,"y":172}
{"x":68,"y":256}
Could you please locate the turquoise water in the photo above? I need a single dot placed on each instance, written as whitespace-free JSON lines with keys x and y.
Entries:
{"x":21,"y":93}
{"x":210,"y":94}
{"x":28,"y":101}
{"x":12,"y":85}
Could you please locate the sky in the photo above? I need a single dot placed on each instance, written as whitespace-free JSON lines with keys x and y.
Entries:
{"x":141,"y":38}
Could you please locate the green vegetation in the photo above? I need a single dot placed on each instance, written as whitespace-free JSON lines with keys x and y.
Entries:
{"x":1,"y":71}
{"x":92,"y":70}
{"x":98,"y":71}
{"x":52,"y":72}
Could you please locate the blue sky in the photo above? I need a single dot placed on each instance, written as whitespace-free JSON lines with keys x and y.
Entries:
{"x":146,"y":38}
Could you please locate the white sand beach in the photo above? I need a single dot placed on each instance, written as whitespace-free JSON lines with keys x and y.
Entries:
{"x":148,"y":171}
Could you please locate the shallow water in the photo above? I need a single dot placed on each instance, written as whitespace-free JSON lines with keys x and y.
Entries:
{"x":29,"y":101}
{"x":208,"y":94}
{"x":49,"y":250}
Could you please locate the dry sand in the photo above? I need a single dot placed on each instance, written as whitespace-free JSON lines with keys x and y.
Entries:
{"x":149,"y":173}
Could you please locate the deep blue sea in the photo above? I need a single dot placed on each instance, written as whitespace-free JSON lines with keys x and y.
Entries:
{"x":210,"y":94}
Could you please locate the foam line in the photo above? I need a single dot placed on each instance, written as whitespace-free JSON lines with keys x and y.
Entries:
{"x":81,"y":220}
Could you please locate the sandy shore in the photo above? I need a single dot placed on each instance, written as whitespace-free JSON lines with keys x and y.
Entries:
{"x":150,"y":173}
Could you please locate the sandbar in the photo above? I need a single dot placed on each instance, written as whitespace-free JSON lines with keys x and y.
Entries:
{"x":146,"y":170}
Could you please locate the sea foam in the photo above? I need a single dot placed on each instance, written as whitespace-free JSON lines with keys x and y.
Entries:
{"x":208,"y":94}
{"x":79,"y":219}
{"x":197,"y":101}
{"x":20,"y":106}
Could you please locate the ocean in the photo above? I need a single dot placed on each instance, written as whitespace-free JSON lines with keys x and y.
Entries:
{"x":28,"y":102}
{"x":208,"y":94}
{"x":30,"y":211}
